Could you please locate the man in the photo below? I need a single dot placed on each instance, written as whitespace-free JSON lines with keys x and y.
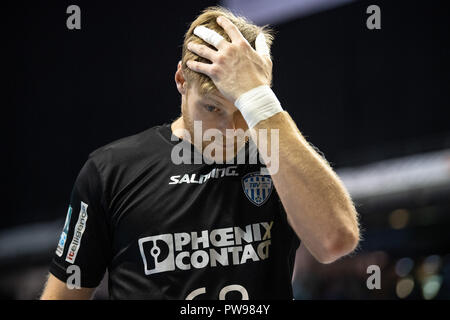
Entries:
{"x":212,"y":229}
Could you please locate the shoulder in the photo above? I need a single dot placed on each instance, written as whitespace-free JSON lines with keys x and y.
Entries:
{"x":137,"y":148}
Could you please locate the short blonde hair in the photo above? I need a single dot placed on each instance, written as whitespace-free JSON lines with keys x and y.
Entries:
{"x":208,"y":19}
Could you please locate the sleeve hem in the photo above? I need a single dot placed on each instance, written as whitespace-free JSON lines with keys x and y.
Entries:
{"x":60,"y":272}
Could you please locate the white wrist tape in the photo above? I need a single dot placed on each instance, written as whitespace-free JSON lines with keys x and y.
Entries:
{"x":258,"y":104}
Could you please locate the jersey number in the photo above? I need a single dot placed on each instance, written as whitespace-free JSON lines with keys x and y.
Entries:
{"x":222,"y":293}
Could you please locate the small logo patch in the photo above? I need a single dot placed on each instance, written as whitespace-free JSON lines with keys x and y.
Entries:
{"x":64,"y":233}
{"x":257,"y":187}
{"x":77,"y":234}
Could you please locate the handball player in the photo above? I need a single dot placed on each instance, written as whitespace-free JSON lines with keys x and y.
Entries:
{"x":172,"y":214}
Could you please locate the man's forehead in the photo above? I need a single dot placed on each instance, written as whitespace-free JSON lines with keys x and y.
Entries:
{"x":215,"y":96}
{"x":212,"y":96}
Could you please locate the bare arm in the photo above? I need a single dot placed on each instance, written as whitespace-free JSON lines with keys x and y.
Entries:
{"x":318,"y":206}
{"x":56,"y":289}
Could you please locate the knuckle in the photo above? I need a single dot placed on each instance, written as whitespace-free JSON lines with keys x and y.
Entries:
{"x":196,"y":47}
{"x":192,"y":46}
{"x":193,"y":65}
{"x":242,"y":44}
{"x":214,"y":71}
{"x":232,"y":50}
{"x":226,"y":50}
{"x":220,"y":59}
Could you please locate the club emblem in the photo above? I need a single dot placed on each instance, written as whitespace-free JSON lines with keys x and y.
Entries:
{"x":257,"y":187}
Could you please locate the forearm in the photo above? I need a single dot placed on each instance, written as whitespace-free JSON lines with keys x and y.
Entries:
{"x":318,"y":206}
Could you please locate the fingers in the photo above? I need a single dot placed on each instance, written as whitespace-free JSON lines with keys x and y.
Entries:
{"x":232,"y":31}
{"x":215,"y":39}
{"x":202,"y":51}
{"x":209,"y":36}
{"x":261,"y":45}
{"x":205,"y":68}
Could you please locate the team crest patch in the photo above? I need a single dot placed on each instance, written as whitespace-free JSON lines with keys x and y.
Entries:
{"x":257,"y":187}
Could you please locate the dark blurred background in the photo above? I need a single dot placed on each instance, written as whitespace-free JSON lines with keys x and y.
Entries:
{"x":374,"y":102}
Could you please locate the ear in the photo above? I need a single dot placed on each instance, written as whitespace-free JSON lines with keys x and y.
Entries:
{"x":180,"y":80}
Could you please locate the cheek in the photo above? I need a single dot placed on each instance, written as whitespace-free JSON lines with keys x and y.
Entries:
{"x":240,"y":121}
{"x":192,"y":112}
{"x":200,"y":113}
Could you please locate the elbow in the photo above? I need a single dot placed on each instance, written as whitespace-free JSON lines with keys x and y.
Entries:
{"x":339,"y":244}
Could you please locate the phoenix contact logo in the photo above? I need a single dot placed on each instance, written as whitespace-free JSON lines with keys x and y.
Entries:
{"x":218,"y":247}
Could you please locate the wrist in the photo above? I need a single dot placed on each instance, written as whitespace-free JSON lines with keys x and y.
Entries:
{"x":258,"y":104}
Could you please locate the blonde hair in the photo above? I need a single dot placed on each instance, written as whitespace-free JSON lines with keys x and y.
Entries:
{"x":208,"y":19}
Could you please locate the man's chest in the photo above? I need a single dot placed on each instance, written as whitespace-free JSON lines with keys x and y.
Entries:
{"x":215,"y":216}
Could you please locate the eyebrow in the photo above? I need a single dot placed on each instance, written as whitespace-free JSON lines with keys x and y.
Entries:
{"x":220,"y":102}
{"x":211,"y":98}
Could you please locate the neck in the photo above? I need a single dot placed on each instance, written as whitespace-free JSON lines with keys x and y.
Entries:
{"x":178,"y":124}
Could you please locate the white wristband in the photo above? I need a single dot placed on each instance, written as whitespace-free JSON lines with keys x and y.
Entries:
{"x":258,"y":104}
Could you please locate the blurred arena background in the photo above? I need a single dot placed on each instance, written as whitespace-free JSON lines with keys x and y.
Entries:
{"x":374,"y":102}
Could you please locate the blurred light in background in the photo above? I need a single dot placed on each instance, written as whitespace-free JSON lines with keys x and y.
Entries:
{"x":404,"y":266}
{"x":397,"y":179}
{"x":272,"y":12}
{"x":399,"y":218}
{"x":431,"y":286}
{"x":429,"y":277}
{"x":432,"y":264}
{"x":404,"y":287}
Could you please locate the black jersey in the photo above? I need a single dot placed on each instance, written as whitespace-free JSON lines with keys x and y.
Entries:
{"x":175,"y":231}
